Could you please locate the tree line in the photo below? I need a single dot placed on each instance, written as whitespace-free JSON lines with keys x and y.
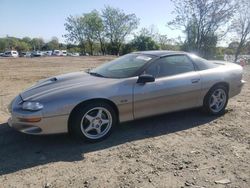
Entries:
{"x":204,"y":23}
{"x":30,"y":44}
{"x":112,"y":31}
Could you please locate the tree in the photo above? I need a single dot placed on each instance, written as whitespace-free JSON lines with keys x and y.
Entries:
{"x":202,"y":19}
{"x":94,"y":30}
{"x":3,"y":44}
{"x":142,"y":43}
{"x":247,"y":48}
{"x":27,"y":40}
{"x":233,"y":45}
{"x":162,"y":41}
{"x":37,"y":43}
{"x":22,"y":46}
{"x":75,"y":28}
{"x":241,"y":25}
{"x":53,"y":44}
{"x":118,"y":26}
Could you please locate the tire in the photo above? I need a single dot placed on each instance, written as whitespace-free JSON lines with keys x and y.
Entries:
{"x":92,"y":122}
{"x":216,"y":100}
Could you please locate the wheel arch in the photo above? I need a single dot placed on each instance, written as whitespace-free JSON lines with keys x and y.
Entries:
{"x":225,"y":84}
{"x":86,"y":102}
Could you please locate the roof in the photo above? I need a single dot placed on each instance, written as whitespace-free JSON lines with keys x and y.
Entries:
{"x":160,"y":53}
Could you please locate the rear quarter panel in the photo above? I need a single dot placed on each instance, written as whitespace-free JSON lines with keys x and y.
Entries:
{"x":229,"y":73}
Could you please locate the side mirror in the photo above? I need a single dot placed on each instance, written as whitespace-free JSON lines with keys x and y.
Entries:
{"x":142,"y":79}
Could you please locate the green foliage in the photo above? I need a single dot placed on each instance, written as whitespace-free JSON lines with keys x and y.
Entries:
{"x":202,"y":21}
{"x":28,"y":44}
{"x":75,"y":33}
{"x":53,"y":44}
{"x":3,"y":44}
{"x":118,"y":26}
{"x":142,"y":43}
{"x":241,"y":25}
{"x":93,"y":30}
{"x":37,"y":43}
{"x":10,"y":43}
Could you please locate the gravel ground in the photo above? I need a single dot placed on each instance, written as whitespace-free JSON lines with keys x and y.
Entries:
{"x":183,"y":149}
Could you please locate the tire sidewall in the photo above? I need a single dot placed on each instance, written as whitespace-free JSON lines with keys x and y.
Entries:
{"x":75,"y":123}
{"x":206,"y":104}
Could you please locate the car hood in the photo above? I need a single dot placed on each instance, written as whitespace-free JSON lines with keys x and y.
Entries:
{"x":60,"y":83}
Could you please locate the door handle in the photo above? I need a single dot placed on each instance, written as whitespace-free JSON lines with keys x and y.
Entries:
{"x":195,"y":80}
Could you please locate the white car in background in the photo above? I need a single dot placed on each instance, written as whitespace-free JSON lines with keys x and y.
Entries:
{"x":75,"y":54}
{"x":49,"y":53}
{"x":64,"y":52}
{"x":57,"y":52}
{"x":25,"y":54}
{"x":60,"y":52}
{"x":11,"y":53}
{"x":37,"y":54}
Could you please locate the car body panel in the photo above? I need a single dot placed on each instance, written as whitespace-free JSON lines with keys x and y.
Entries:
{"x":160,"y":96}
{"x":61,"y":94}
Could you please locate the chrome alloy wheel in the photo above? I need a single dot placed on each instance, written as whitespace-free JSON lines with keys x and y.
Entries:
{"x":96,"y":123}
{"x":217,"y":100}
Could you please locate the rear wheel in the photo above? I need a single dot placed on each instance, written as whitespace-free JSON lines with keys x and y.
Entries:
{"x":216,"y":100}
{"x":93,"y":122}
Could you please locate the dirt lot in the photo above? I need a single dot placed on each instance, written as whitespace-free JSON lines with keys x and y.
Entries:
{"x":184,"y":149}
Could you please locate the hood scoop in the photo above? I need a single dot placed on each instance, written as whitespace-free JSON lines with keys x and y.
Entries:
{"x":44,"y":82}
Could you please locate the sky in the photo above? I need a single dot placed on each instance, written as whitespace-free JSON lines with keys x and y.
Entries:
{"x":46,"y":18}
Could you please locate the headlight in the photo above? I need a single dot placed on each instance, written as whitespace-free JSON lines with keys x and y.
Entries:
{"x":32,"y":106}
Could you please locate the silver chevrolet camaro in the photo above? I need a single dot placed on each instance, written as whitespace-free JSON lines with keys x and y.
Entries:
{"x":137,"y":85}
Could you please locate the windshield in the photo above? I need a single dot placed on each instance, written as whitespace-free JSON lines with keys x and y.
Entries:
{"x":123,"y":67}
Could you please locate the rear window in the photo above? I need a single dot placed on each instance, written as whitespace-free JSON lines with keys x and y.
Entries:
{"x":201,"y":63}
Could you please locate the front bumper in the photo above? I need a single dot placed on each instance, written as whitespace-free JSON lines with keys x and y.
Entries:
{"x":43,"y":125}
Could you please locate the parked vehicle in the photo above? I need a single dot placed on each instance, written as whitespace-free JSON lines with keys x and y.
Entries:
{"x":1,"y":54}
{"x":64,"y":52}
{"x":142,"y":84}
{"x":11,"y":53}
{"x":28,"y":54}
{"x":49,"y":53}
{"x":74,"y":54}
{"x":25,"y":54}
{"x":36,"y":54}
{"x":57,"y":53}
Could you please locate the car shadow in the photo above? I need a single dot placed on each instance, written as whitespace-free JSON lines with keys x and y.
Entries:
{"x":19,"y":151}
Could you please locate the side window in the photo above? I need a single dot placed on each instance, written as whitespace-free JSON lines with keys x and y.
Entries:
{"x":169,"y":66}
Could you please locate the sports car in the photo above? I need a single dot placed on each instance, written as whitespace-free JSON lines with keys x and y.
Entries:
{"x":137,"y":85}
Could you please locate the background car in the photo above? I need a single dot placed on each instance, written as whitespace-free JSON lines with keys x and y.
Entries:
{"x":11,"y":53}
{"x":57,"y":53}
{"x":64,"y":53}
{"x":36,"y":54}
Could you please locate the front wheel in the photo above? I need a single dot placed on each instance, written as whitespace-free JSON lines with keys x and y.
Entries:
{"x":93,"y":122}
{"x":216,"y":100}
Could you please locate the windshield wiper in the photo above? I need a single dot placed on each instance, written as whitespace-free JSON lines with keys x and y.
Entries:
{"x":96,"y":74}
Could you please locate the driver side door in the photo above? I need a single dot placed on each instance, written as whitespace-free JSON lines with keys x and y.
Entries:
{"x":177,"y":86}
